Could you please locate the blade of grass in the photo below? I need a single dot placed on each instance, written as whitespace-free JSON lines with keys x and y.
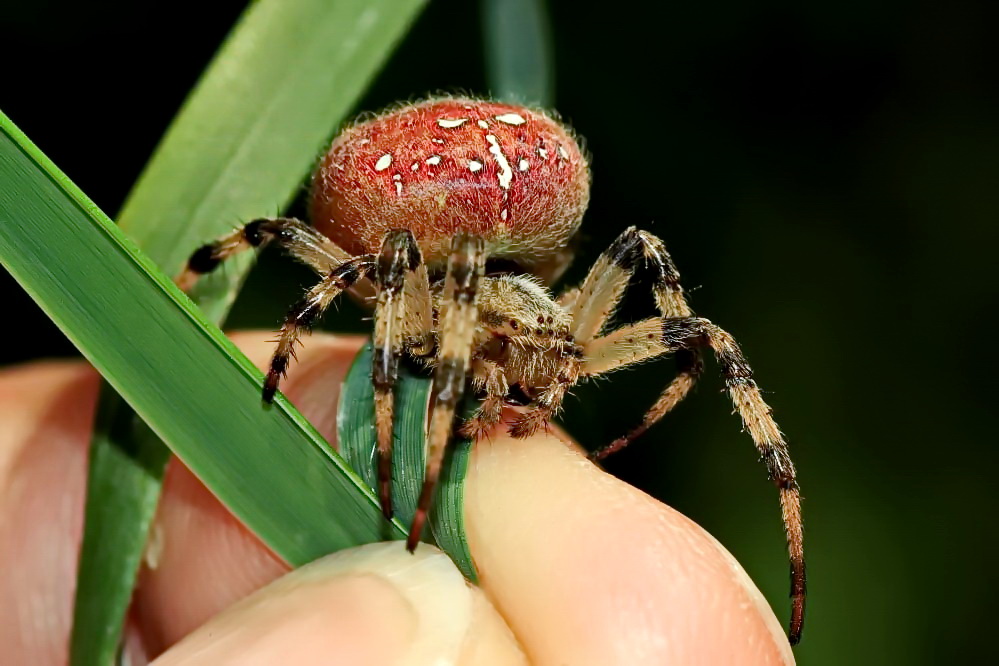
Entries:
{"x":356,"y":430}
{"x":519,"y":63}
{"x":358,"y":444}
{"x":154,"y":346}
{"x":254,"y":126}
{"x":123,"y":487}
{"x":239,"y":148}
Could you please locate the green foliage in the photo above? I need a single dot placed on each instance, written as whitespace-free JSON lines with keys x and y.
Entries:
{"x":240,"y":147}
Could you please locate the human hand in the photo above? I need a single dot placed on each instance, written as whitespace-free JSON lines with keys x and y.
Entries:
{"x":576,"y":567}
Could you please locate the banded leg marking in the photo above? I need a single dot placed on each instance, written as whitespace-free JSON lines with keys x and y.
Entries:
{"x":626,"y":252}
{"x":297,"y":238}
{"x":304,"y":314}
{"x":403,"y":296}
{"x":457,"y":320}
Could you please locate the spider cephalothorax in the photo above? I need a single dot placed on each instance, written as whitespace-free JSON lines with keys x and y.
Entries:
{"x":416,"y":200}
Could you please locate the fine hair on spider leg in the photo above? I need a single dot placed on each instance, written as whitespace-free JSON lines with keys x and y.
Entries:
{"x":402,"y":311}
{"x":457,"y":326}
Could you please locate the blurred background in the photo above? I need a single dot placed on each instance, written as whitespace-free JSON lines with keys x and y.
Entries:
{"x":825,"y":175}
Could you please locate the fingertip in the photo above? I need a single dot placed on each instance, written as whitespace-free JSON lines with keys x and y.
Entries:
{"x":376,"y":604}
{"x":588,"y":569}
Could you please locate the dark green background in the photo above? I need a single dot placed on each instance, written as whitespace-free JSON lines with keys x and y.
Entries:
{"x":826,"y":178}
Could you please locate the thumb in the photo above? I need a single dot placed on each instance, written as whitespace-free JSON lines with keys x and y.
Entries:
{"x":375,"y":604}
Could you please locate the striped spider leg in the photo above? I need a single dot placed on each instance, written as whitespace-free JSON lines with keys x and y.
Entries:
{"x":340,"y":271}
{"x":457,"y":321}
{"x":295,"y":237}
{"x":403,"y":323}
{"x":676,"y":332}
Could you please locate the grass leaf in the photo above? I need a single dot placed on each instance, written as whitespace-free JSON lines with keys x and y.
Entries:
{"x":519,"y":62}
{"x":255,"y":124}
{"x":268,"y":465}
{"x":99,"y":289}
{"x":240,"y":147}
{"x":358,"y":446}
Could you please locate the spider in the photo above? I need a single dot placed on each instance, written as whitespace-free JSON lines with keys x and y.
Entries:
{"x":460,"y":211}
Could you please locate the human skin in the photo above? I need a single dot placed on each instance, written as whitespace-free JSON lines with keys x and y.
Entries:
{"x":576,"y":567}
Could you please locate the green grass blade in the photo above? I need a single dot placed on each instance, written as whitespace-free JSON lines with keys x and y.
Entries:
{"x":356,"y":431}
{"x":519,"y":63}
{"x":255,"y":124}
{"x":240,"y":147}
{"x":154,"y":347}
{"x":125,"y":472}
{"x":356,"y":435}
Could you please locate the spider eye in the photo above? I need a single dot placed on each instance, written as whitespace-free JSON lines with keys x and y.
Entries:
{"x":514,"y":325}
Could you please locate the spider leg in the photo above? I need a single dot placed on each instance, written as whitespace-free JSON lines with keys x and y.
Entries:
{"x":491,"y":410}
{"x":403,"y":295}
{"x":547,"y":404}
{"x":297,"y":238}
{"x":456,"y":325}
{"x":625,"y":253}
{"x":658,"y":336}
{"x":593,"y":302}
{"x":303,"y":315}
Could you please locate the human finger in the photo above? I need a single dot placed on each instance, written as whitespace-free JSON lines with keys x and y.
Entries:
{"x":201,"y":559}
{"x":375,"y":604}
{"x":47,"y":412}
{"x":589,"y":570}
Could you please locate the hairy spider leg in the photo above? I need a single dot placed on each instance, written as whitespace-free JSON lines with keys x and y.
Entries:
{"x":590,"y":307}
{"x":608,"y":279}
{"x":403,"y":311}
{"x":297,"y":238}
{"x":658,"y":336}
{"x":456,"y":324}
{"x":303,"y":315}
{"x":496,"y":388}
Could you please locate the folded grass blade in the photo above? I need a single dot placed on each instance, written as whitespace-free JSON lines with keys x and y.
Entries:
{"x":356,"y":435}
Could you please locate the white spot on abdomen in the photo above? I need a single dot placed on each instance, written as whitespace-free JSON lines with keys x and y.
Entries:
{"x":505,"y":174}
{"x":384,"y":162}
{"x":434,"y":160}
{"x":483,"y":124}
{"x":511,"y":119}
{"x":523,"y":165}
{"x":474,"y":165}
{"x":451,"y":123}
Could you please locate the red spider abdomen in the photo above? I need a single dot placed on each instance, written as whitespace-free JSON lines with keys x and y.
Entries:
{"x":511,"y":175}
